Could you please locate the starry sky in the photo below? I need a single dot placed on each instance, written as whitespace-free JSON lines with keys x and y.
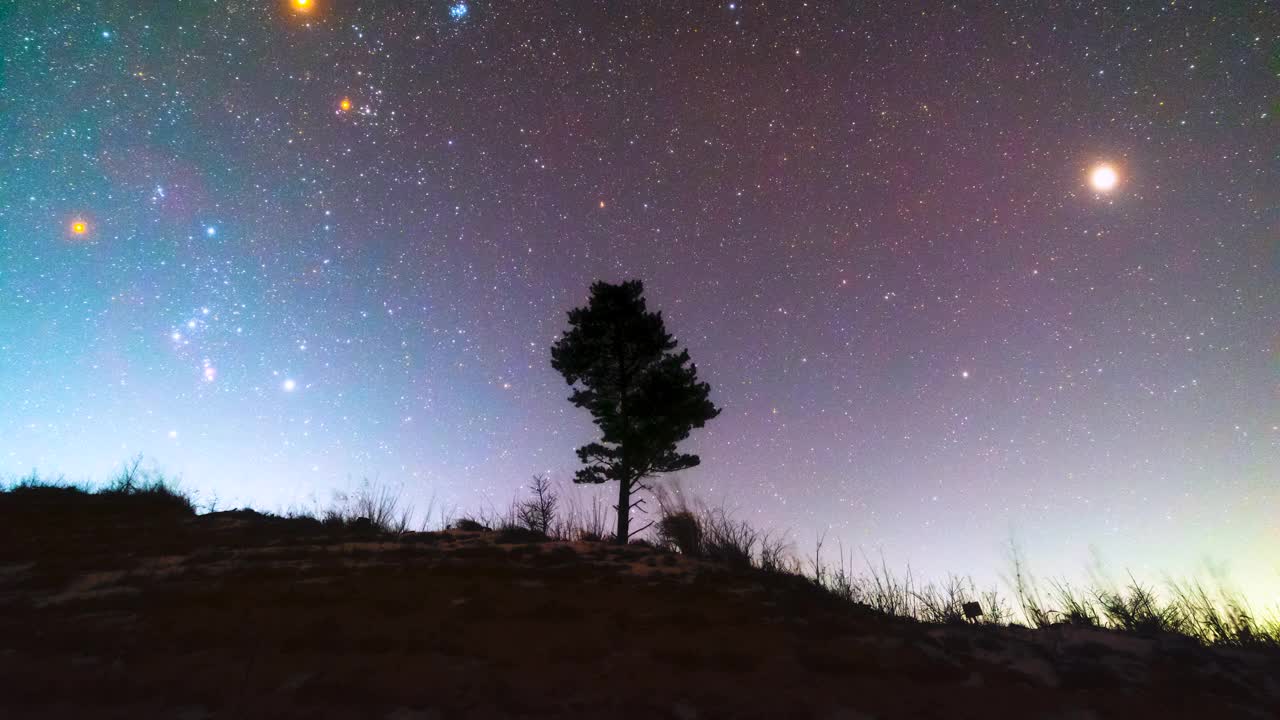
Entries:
{"x":279,"y":247}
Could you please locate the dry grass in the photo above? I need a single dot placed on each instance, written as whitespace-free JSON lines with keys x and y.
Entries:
{"x":133,"y":488}
{"x":376,"y":505}
{"x":1211,"y":615}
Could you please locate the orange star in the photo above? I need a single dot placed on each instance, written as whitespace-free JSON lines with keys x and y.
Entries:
{"x":345,"y":105}
{"x":79,"y":227}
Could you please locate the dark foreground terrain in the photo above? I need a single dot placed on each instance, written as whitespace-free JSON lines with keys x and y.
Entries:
{"x":113,"y":610}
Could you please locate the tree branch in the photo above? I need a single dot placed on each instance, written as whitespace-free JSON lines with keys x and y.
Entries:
{"x":633,"y":533}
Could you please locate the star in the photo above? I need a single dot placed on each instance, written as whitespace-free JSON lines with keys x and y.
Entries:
{"x":1096,"y":243}
{"x":1103,"y":178}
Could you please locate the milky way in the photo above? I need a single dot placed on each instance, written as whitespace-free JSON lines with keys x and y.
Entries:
{"x":321,"y":243}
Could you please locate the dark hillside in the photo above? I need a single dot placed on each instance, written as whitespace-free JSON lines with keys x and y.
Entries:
{"x":133,"y":607}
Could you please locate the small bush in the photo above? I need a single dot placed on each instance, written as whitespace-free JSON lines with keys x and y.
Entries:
{"x":517,"y":534}
{"x":682,"y":531}
{"x":713,"y":534}
{"x":469,"y":525}
{"x":538,"y":514}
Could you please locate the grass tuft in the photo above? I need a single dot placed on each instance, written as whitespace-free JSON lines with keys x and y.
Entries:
{"x":372,"y":505}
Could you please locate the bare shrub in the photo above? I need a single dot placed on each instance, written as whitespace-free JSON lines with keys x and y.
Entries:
{"x":538,"y":513}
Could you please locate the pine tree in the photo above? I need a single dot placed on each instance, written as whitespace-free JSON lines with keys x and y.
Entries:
{"x":644,"y":397}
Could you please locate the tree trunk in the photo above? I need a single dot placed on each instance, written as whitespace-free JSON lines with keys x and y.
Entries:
{"x":624,"y":510}
{"x":624,"y":484}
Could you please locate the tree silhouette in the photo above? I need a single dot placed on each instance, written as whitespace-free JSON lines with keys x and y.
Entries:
{"x":644,"y":398}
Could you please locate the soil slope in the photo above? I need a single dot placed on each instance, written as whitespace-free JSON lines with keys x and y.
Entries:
{"x":114,"y":611}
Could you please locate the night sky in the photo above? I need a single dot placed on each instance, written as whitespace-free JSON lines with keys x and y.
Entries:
{"x":277,"y":249}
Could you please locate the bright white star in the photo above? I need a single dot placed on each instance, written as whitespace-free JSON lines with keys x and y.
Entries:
{"x":1104,"y":178}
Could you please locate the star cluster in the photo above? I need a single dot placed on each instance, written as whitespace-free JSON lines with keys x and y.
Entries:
{"x":956,"y":272}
